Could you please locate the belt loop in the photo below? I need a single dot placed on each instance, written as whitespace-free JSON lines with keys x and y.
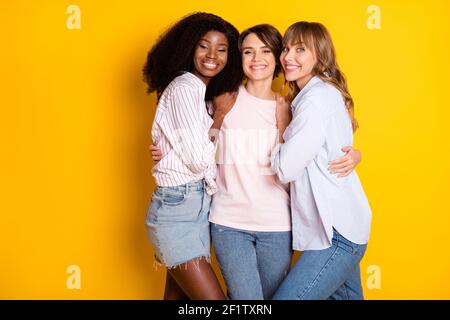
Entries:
{"x":186,"y":191}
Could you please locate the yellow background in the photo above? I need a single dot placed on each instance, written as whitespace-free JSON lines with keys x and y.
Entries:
{"x":75,"y":126}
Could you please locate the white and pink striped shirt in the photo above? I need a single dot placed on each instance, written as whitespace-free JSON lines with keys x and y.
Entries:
{"x":181,"y":129}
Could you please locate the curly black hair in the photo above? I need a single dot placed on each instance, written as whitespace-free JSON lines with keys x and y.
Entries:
{"x":174,"y":52}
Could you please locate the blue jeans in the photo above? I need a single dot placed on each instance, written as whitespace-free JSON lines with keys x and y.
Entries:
{"x":253,"y":264}
{"x":332,"y":273}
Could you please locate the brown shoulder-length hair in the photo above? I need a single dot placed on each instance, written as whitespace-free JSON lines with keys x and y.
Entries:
{"x":270,"y":36}
{"x":316,"y":38}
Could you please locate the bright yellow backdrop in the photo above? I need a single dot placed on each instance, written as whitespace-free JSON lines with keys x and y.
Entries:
{"x":75,"y":125}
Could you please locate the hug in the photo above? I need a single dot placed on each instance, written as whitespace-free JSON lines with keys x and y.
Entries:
{"x":255,"y":173}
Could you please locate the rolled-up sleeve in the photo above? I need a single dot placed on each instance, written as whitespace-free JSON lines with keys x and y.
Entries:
{"x":303,"y":138}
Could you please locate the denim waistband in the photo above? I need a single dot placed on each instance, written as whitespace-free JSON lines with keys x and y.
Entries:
{"x":199,"y":185}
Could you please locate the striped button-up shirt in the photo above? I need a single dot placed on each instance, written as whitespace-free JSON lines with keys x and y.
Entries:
{"x":181,"y":129}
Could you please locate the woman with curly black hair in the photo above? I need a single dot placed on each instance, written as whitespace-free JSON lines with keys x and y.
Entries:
{"x":195,"y":60}
{"x":174,"y":54}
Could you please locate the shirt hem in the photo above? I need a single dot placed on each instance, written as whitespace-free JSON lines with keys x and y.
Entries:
{"x":251,"y":228}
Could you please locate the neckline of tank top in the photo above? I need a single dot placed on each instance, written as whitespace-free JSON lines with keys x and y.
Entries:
{"x":260,"y":100}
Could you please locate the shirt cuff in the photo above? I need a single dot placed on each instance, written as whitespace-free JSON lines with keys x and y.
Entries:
{"x":275,"y":158}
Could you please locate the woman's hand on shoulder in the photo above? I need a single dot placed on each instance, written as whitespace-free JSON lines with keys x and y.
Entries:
{"x":224,"y":103}
{"x":283,"y":115}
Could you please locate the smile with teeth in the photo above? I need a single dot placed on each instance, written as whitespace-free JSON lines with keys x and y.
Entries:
{"x":291,"y":67}
{"x":258,"y":67}
{"x":210,"y":65}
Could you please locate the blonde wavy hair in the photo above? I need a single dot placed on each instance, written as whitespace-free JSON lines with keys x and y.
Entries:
{"x":316,"y":38}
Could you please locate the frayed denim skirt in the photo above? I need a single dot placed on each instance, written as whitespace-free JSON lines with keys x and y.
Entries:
{"x":177,"y":223}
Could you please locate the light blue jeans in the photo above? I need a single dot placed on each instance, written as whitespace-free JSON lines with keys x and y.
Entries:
{"x":331,"y":273}
{"x":253,"y":264}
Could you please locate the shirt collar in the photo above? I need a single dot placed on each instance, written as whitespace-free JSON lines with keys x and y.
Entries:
{"x":311,"y":83}
{"x":195,"y":78}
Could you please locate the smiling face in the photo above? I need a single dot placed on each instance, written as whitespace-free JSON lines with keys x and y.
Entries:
{"x":258,"y":61}
{"x":210,"y":56}
{"x":298,"y":63}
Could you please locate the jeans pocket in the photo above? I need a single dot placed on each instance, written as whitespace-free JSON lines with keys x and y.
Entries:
{"x":360,"y":250}
{"x":222,"y":228}
{"x":346,"y":246}
{"x":152,"y":209}
{"x":170,"y":197}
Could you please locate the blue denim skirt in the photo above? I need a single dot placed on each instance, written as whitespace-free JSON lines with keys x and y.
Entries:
{"x":177,"y":223}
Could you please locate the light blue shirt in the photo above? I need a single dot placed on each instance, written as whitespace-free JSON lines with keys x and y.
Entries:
{"x":320,"y":201}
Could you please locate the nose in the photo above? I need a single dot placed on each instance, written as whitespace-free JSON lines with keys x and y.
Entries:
{"x":287,"y":56}
{"x":255,"y":56}
{"x":211,"y":53}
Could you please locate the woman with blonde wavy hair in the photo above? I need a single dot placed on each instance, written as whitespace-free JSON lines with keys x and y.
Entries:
{"x":330,"y":216}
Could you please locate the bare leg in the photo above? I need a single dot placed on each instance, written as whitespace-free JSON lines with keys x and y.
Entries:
{"x":173,"y":290}
{"x":198,"y":280}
